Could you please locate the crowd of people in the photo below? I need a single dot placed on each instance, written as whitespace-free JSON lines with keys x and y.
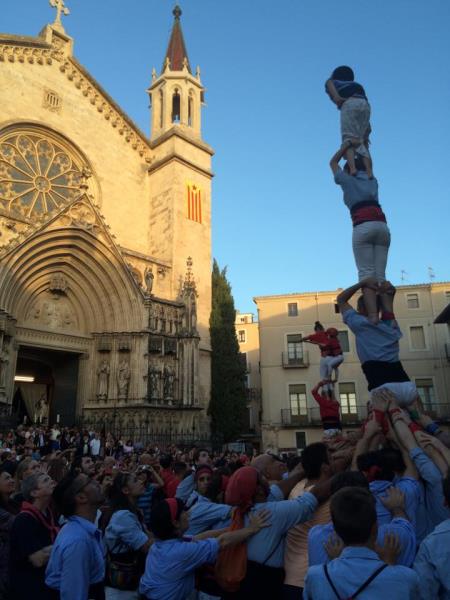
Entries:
{"x":359,"y":514}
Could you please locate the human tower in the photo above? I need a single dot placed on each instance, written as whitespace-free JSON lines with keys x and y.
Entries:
{"x":376,"y":330}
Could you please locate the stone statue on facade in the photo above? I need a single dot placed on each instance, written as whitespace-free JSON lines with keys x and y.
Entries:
{"x":4,"y":362}
{"x":103,"y":380}
{"x":169,"y":383}
{"x":149,"y":279}
{"x":154,"y":383}
{"x":123,"y":379}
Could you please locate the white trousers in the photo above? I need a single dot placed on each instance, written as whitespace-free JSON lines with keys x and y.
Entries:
{"x":327,"y":365}
{"x":355,"y":122}
{"x":405,"y":392}
{"x":371,"y":242}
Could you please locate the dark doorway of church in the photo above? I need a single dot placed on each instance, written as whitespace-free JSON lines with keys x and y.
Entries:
{"x":45,"y":386}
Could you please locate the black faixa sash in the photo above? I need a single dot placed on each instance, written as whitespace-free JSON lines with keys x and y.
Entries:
{"x":378,"y":373}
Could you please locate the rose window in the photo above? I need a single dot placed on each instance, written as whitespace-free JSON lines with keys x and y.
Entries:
{"x":37,"y":175}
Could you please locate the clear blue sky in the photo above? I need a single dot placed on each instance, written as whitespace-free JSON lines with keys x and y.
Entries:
{"x":278,"y":219}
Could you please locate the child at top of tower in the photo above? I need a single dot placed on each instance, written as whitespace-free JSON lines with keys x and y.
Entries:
{"x":350,"y":98}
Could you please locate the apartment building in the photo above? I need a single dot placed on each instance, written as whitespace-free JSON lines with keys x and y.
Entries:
{"x":289,"y":368}
{"x":247,"y":333}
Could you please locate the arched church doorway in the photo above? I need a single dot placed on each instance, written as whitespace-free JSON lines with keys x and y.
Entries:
{"x":45,"y":386}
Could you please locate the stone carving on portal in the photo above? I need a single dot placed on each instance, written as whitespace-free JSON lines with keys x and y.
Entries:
{"x":149,"y":279}
{"x":188,"y":295}
{"x":53,"y":309}
{"x":4,"y":365}
{"x":168,"y":383}
{"x":103,"y":372}
{"x":123,"y":379}
{"x":154,"y":381}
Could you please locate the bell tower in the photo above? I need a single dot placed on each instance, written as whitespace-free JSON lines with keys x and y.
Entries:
{"x":176,"y":95}
{"x":180,"y":188}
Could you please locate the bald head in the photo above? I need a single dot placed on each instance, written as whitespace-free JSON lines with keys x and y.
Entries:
{"x":271,"y":468}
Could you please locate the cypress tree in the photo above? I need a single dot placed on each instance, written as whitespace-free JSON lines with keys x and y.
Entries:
{"x":227,"y":408}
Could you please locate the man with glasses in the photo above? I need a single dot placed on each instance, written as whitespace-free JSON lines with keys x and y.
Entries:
{"x":76,"y":569}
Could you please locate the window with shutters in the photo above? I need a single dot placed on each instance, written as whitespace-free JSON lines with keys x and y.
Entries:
{"x":297,"y":400}
{"x":412,"y":300}
{"x":294,"y":348}
{"x":417,"y":336}
{"x":347,"y":397}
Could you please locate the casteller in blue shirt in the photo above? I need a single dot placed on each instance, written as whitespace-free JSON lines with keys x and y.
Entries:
{"x":359,"y":571}
{"x":77,"y":560}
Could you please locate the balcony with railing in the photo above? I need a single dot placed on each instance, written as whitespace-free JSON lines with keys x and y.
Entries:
{"x":295,"y":360}
{"x":352,"y":415}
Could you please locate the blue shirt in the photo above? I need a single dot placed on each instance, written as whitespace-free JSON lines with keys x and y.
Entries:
{"x":266,"y":546}
{"x":185,"y":488}
{"x":124,"y":532}
{"x":357,"y":188}
{"x":318,"y":536}
{"x":373,"y":342}
{"x":77,"y":559}
{"x":432,"y":564}
{"x":431,"y":510}
{"x":352,"y":569}
{"x":169,"y":569}
{"x":205,"y":515}
{"x":411,"y":489}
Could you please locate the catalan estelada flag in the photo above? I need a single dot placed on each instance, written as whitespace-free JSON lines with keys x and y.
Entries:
{"x":194,"y":202}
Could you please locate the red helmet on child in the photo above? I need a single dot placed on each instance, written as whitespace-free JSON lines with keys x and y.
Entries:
{"x":332,"y":331}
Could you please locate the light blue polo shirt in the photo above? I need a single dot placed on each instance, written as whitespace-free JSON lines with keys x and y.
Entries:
{"x":124,"y":533}
{"x":170,"y":567}
{"x":319,"y":534}
{"x":373,"y":342}
{"x":352,"y":569}
{"x":357,"y":188}
{"x":432,"y":564}
{"x":77,"y":559}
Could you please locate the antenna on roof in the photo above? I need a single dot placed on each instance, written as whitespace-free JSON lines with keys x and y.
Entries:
{"x":403,"y":274}
{"x":431,"y":274}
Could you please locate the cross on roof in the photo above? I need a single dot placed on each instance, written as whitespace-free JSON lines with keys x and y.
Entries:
{"x":61,"y":9}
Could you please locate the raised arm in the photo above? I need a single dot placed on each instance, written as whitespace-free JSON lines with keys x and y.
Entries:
{"x":372,"y":429}
{"x":334,"y":162}
{"x":344,"y":297}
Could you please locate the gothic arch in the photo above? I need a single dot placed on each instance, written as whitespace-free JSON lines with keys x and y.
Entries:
{"x":101,"y":290}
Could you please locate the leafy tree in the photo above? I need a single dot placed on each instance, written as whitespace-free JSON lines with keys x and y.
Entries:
{"x":227,"y":408}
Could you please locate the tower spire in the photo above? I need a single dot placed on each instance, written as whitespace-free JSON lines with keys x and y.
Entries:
{"x":176,"y":56}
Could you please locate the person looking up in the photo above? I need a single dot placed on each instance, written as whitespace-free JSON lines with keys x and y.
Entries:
{"x":32,"y":536}
{"x":8,"y":511}
{"x":76,"y":568}
{"x":126,"y":538}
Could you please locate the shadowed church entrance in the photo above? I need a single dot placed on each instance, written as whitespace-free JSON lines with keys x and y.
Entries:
{"x":45,"y":386}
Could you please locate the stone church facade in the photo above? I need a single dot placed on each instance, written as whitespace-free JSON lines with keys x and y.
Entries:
{"x":105,"y":242}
